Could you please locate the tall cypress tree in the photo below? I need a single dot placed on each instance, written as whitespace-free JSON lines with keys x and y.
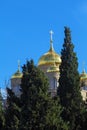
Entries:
{"x":69,"y":82}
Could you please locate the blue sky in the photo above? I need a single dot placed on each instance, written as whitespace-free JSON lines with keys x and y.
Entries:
{"x":25,"y":26}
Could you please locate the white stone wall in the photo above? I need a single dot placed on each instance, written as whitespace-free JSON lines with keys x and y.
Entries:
{"x":84,"y":93}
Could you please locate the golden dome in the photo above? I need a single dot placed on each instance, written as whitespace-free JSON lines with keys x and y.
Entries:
{"x":50,"y":57}
{"x":83,"y":75}
{"x":18,"y":74}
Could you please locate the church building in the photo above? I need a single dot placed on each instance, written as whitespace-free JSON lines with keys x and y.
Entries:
{"x":49,"y":63}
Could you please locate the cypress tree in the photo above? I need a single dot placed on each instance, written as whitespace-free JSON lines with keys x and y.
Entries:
{"x":69,"y":83}
{"x":34,"y":89}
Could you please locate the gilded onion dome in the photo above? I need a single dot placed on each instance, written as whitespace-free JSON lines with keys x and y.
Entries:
{"x":50,"y":57}
{"x":83,"y":76}
{"x":17,"y":74}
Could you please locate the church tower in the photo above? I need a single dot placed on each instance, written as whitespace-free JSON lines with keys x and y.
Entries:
{"x":16,"y":81}
{"x":83,"y":85}
{"x":49,"y":63}
{"x":83,"y":79}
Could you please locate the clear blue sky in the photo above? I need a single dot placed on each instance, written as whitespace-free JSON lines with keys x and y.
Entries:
{"x":25,"y":26}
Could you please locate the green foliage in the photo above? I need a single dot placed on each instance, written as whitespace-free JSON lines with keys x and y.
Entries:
{"x":35,"y":108}
{"x":69,"y":82}
{"x":38,"y":110}
{"x":54,"y":120}
{"x":34,"y":96}
{"x":12,"y":112}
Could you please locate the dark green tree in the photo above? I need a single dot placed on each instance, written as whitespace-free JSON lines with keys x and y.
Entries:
{"x":54,"y":120}
{"x":12,"y":111}
{"x":34,"y":89}
{"x":69,"y":84}
{"x":38,"y":110}
{"x":1,"y":112}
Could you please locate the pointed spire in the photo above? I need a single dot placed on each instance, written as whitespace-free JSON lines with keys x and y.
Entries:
{"x":19,"y":65}
{"x":83,"y":68}
{"x":51,"y":40}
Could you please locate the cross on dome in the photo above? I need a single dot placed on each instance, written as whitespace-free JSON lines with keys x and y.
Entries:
{"x":83,"y":67}
{"x":51,"y":34}
{"x":18,"y":65}
{"x":51,"y":40}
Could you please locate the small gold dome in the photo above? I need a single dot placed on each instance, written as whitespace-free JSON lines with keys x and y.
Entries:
{"x":83,"y":75}
{"x":18,"y":74}
{"x":49,"y":58}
